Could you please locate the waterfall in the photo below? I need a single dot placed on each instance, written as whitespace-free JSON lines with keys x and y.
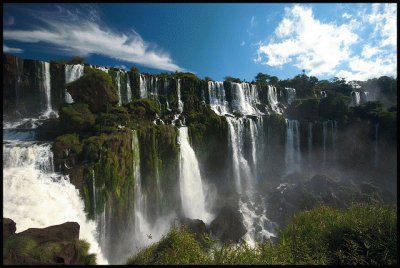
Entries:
{"x":178,"y":90}
{"x":128,"y":88}
{"x":216,"y":93}
{"x":37,"y":197}
{"x":291,"y":94}
{"x":364,"y":97}
{"x":118,"y":80}
{"x":143,"y":86}
{"x":104,"y":69}
{"x":323,"y":94}
{"x":355,"y":98}
{"x":255,"y":221}
{"x":273,"y":99}
{"x":191,"y":185}
{"x":72,"y":73}
{"x":47,"y":88}
{"x":244,"y":98}
{"x":251,"y":207}
{"x":146,"y":231}
{"x":376,"y":151}
{"x":244,"y":179}
{"x":292,"y":150}
{"x":310,"y":140}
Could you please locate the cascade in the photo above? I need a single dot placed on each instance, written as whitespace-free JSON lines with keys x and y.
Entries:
{"x":376,"y":151}
{"x":190,"y":182}
{"x":36,"y":197}
{"x":291,"y":94}
{"x":242,"y":173}
{"x":323,"y":94}
{"x":178,"y":90}
{"x":255,"y":221}
{"x":355,"y":98}
{"x":72,"y":73}
{"x":104,"y":69}
{"x":47,"y":88}
{"x":244,"y":98}
{"x":118,"y":80}
{"x":292,"y":150}
{"x":143,"y":86}
{"x":251,"y":206}
{"x":216,"y":93}
{"x":273,"y":99}
{"x":128,"y":88}
{"x":143,"y":226}
{"x":310,"y":140}
{"x":364,"y":97}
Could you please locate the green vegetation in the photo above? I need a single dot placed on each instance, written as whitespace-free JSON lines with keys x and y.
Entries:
{"x":19,"y":249}
{"x":361,"y":234}
{"x":94,"y":88}
{"x":177,"y":247}
{"x":76,"y":117}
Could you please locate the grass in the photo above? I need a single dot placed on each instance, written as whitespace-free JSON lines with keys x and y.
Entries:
{"x":361,"y":234}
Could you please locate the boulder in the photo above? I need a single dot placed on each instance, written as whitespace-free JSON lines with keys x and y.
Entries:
{"x":228,"y":225}
{"x":68,"y":231}
{"x":9,"y":227}
{"x":22,"y":248}
{"x":195,"y":226}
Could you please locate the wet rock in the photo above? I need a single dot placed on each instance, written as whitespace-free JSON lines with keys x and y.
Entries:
{"x":63,"y":232}
{"x":228,"y":225}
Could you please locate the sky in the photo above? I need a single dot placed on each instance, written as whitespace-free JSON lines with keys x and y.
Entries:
{"x":354,"y":41}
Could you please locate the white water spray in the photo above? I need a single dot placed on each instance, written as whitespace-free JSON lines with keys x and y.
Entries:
{"x":36,"y":197}
{"x":190,"y":182}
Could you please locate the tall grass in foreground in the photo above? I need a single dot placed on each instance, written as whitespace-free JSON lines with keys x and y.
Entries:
{"x":361,"y":234}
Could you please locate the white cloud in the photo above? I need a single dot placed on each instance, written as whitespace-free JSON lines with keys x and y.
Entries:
{"x":346,"y":15}
{"x":326,"y":48}
{"x":86,"y":36}
{"x":242,"y":43}
{"x":308,"y":43}
{"x":7,"y":49}
{"x":369,"y":51}
{"x":384,"y":19}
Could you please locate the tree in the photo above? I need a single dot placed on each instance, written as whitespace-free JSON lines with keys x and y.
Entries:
{"x":262,"y":78}
{"x":76,"y":60}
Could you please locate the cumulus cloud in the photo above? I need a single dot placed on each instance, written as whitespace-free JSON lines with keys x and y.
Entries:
{"x":85,"y":35}
{"x":7,"y":49}
{"x":323,"y":48}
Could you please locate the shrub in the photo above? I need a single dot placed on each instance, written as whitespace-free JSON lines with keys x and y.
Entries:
{"x":177,"y":247}
{"x":76,"y":117}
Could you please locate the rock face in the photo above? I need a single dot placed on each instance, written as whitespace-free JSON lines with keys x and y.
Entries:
{"x":228,"y":225}
{"x":51,"y":245}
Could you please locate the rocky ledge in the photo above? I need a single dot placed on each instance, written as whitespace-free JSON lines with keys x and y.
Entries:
{"x":58,"y":244}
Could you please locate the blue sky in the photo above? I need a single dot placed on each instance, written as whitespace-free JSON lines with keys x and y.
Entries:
{"x":353,"y":41}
